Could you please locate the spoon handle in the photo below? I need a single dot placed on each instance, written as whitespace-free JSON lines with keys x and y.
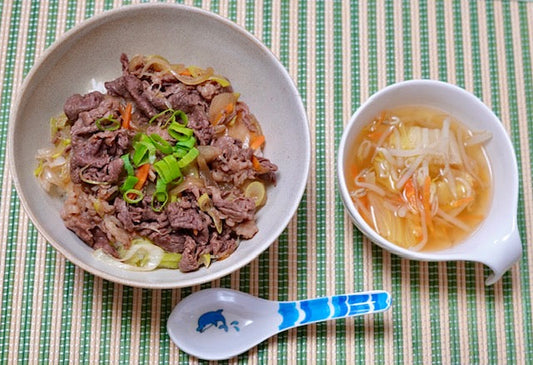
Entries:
{"x":307,"y":311}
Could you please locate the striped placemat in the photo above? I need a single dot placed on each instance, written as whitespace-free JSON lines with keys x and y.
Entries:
{"x":338,"y":53}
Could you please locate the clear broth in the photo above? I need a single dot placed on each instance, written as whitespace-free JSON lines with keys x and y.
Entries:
{"x":440,"y":233}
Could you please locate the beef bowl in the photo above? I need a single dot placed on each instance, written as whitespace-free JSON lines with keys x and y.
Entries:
{"x":164,"y":146}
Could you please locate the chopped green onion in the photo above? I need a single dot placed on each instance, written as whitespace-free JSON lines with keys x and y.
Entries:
{"x":179,"y":132}
{"x":160,"y":196}
{"x":144,"y":152}
{"x":127,"y":164}
{"x":168,"y":169}
{"x":172,"y":118}
{"x":188,"y":143}
{"x":188,"y":158}
{"x":160,"y":143}
{"x":129,"y":183}
{"x":107,"y":123}
{"x":137,"y":196}
{"x":179,"y":151}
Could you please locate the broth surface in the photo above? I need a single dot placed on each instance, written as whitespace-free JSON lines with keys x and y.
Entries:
{"x":420,"y":178}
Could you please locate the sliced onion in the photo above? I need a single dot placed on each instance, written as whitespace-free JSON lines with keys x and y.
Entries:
{"x":219,"y":103}
{"x":478,"y":138}
{"x":209,"y":153}
{"x":198,"y":77}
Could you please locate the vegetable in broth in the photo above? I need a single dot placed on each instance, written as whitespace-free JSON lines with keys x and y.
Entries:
{"x":420,"y":178}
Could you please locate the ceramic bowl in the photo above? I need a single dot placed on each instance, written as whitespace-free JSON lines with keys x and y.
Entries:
{"x":89,"y":54}
{"x":496,"y":242}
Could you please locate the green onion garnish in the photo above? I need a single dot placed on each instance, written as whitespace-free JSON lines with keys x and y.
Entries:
{"x":172,"y":118}
{"x":144,"y":152}
{"x":168,"y":169}
{"x":179,"y":151}
{"x":188,"y":158}
{"x":179,"y":132}
{"x":127,"y":164}
{"x":188,"y":143}
{"x":129,"y":183}
{"x":107,"y":123}
{"x":160,"y":143}
{"x":133,"y":196}
{"x":160,"y":196}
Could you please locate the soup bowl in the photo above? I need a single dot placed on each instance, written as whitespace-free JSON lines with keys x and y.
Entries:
{"x":496,"y":241}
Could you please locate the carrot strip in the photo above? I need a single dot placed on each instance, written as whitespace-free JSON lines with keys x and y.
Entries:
{"x":256,"y":164}
{"x":126,"y":116}
{"x":142,"y":175}
{"x":257,"y":142}
{"x":410,"y":193}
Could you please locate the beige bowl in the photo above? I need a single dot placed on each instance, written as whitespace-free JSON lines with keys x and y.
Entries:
{"x":496,"y":243}
{"x":89,"y":54}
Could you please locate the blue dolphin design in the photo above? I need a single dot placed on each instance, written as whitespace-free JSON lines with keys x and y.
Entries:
{"x":210,"y":319}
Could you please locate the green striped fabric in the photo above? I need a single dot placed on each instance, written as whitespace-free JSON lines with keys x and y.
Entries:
{"x":338,"y":53}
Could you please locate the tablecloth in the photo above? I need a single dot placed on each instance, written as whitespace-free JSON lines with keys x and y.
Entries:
{"x":338,"y":53}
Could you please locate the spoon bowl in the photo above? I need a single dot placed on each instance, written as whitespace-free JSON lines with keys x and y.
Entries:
{"x":217,"y":324}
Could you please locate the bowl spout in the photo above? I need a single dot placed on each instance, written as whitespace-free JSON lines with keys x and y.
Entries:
{"x":501,"y":255}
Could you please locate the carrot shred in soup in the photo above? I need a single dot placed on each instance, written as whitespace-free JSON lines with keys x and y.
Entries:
{"x":420,"y":178}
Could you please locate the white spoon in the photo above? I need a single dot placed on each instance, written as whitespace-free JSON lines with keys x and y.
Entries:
{"x":217,"y":324}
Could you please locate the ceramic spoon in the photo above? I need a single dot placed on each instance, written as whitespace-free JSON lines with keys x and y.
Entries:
{"x":216,"y":324}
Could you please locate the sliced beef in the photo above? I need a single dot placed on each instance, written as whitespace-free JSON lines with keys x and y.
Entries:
{"x":234,"y":209}
{"x":185,"y":214}
{"x":80,"y":216}
{"x":190,"y":257}
{"x":95,"y":209}
{"x":98,"y":157}
{"x":234,"y":165}
{"x":80,"y":103}
{"x":130,"y":87}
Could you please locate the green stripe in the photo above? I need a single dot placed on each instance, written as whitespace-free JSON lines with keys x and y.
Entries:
{"x":340,"y":265}
{"x":492,"y":335}
{"x":458,"y":44}
{"x":31,"y":250}
{"x":125,"y":325}
{"x":512,"y":49}
{"x":107,"y":295}
{"x":390,"y":31}
{"x":320,"y":143}
{"x":66,"y":315}
{"x":424,"y":40}
{"x":522,"y":224}
{"x":407,"y":39}
{"x":470,"y":268}
{"x":302,"y":224}
{"x":441,"y":40}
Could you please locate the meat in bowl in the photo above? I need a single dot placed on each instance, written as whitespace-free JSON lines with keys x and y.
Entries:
{"x":164,"y":169}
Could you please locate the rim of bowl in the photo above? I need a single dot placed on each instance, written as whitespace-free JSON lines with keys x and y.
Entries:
{"x":361,"y":224}
{"x":104,"y":18}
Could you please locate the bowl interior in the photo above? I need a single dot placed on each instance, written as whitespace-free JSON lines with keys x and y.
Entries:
{"x":469,"y":110}
{"x":89,"y":54}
